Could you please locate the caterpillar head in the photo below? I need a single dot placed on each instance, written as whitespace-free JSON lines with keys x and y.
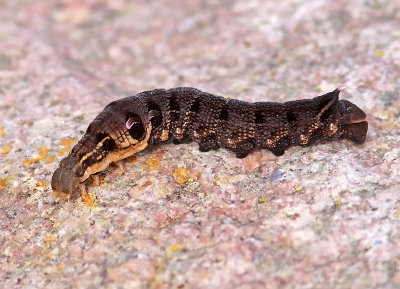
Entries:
{"x":340,"y":118}
{"x":352,"y":122}
{"x":120,"y":130}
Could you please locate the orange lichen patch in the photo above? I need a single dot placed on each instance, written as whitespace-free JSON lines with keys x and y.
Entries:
{"x":50,"y":159}
{"x":180,"y":175}
{"x":89,"y":199}
{"x":41,"y":184}
{"x":3,"y":183}
{"x":146,"y":183}
{"x":60,"y":267}
{"x":62,"y":196}
{"x":49,"y":238}
{"x":2,"y":132}
{"x":27,"y":163}
{"x":67,"y":143}
{"x":132,"y":160}
{"x":43,"y":153}
{"x":5,"y":149}
{"x":151,"y":164}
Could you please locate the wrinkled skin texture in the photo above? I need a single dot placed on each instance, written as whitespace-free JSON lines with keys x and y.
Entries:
{"x":184,"y":114}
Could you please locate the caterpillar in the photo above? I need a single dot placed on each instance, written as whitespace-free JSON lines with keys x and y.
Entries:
{"x":184,"y":114}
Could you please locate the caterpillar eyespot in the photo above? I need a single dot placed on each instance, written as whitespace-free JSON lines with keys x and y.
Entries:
{"x":132,"y":121}
{"x":186,"y":114}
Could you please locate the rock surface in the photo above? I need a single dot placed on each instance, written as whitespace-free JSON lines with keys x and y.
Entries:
{"x":326,"y":216}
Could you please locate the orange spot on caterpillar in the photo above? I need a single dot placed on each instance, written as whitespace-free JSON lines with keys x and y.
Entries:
{"x":180,"y":175}
{"x":5,"y":149}
{"x":43,"y":153}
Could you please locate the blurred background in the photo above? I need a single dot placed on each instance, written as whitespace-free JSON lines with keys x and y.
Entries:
{"x":320,"y":217}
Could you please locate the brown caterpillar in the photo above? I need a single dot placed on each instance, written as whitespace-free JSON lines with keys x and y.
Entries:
{"x":186,"y":114}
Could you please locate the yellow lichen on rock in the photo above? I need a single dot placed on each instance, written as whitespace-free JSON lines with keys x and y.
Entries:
{"x":262,"y":199}
{"x":89,"y":199}
{"x":50,"y":159}
{"x":180,"y":175}
{"x":298,"y":188}
{"x":151,"y":164}
{"x":42,"y":154}
{"x":3,"y":183}
{"x":2,"y":132}
{"x":5,"y":149}
{"x":173,"y":248}
{"x":41,"y":184}
{"x":49,"y":238}
{"x":379,"y":53}
{"x":67,"y":143}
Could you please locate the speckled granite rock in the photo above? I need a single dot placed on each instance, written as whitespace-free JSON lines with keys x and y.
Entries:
{"x":326,"y":216}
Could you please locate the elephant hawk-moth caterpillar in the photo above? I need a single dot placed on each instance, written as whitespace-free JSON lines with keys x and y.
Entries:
{"x":184,"y":114}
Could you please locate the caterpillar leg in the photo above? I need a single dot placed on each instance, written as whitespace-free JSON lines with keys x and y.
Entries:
{"x":281,"y":146}
{"x":120,"y":165}
{"x":95,"y":180}
{"x":244,"y":148}
{"x":278,"y":151}
{"x":208,"y":144}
